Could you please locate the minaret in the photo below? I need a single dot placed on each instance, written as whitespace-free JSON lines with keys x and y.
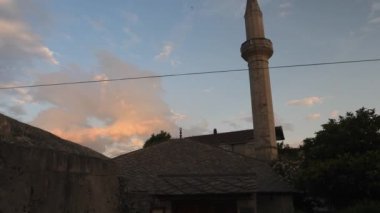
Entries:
{"x":256,"y":51}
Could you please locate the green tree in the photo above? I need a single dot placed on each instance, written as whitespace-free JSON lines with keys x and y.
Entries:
{"x":157,"y":139}
{"x":342,"y":162}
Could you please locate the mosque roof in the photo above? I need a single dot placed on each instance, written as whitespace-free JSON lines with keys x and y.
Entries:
{"x":185,"y":167}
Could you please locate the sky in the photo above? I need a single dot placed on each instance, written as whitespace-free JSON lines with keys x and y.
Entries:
{"x":52,"y":41}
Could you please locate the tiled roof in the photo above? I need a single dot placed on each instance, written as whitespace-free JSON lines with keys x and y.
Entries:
{"x":183,"y":167}
{"x":237,"y":137}
{"x":20,"y":134}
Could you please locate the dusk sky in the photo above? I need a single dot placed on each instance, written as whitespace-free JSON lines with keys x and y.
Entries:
{"x":52,"y":41}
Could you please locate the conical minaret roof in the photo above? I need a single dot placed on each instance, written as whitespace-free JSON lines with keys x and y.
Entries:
{"x":252,"y":6}
{"x":254,"y":20}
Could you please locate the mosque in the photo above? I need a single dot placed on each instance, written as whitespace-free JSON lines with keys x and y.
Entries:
{"x":217,"y":173}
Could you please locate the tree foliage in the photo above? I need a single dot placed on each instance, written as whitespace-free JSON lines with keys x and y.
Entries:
{"x":157,"y":139}
{"x":342,"y":162}
{"x":288,"y":163}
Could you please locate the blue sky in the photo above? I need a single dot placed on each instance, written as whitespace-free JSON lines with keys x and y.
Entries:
{"x":53,"y":41}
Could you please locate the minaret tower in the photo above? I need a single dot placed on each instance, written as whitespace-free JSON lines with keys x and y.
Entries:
{"x":256,"y":51}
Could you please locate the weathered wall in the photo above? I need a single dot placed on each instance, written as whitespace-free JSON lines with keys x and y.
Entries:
{"x":274,"y":203}
{"x":37,"y":180}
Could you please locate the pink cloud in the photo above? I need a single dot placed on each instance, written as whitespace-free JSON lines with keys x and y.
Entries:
{"x":309,"y":101}
{"x":129,"y":111}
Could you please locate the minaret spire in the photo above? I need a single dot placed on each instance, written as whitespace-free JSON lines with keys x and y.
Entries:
{"x":254,"y":20}
{"x":256,"y":51}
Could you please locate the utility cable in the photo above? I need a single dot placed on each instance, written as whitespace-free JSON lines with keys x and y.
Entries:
{"x":182,"y":74}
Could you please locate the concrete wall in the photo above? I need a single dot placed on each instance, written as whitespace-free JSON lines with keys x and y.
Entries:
{"x":44,"y":181}
{"x":274,"y":203}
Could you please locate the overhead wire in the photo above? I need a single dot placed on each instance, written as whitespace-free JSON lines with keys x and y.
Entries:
{"x":182,"y":74}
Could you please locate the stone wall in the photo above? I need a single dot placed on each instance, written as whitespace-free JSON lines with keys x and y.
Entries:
{"x":37,"y":180}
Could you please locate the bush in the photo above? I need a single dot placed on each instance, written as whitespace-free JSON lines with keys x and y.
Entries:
{"x":363,"y":207}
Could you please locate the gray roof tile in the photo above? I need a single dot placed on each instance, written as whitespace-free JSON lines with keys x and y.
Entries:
{"x":180,"y":167}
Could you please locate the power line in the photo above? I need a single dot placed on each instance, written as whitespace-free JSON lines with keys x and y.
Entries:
{"x":183,"y":74}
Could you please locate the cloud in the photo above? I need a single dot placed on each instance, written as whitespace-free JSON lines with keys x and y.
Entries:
{"x":16,"y":101}
{"x":116,"y":149}
{"x":286,"y":126}
{"x":375,"y":20}
{"x":221,"y":7}
{"x":129,"y":111}
{"x":178,"y":117}
{"x":334,"y":114}
{"x":374,"y":15}
{"x":232,"y":124}
{"x":200,"y":128}
{"x":97,"y":24}
{"x":208,"y":90}
{"x":131,"y":37}
{"x":175,"y":63}
{"x":19,"y":45}
{"x":309,"y":101}
{"x":5,"y":3}
{"x":375,"y":7}
{"x":314,"y":116}
{"x":131,"y":18}
{"x":285,"y":7}
{"x":166,"y":51}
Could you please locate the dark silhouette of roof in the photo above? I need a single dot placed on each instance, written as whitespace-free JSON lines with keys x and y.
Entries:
{"x":20,"y":134}
{"x":237,"y":137}
{"x":185,"y":167}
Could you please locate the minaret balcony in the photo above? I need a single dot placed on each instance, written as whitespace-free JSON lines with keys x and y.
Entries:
{"x":257,"y":47}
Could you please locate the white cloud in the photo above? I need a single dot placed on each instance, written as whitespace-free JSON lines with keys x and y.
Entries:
{"x":16,"y":101}
{"x":19,"y":40}
{"x":166,"y":55}
{"x":232,"y":124}
{"x":334,"y":114}
{"x":374,"y":15}
{"x":285,"y":7}
{"x":131,"y":18}
{"x":177,"y":117}
{"x":166,"y":51}
{"x":375,"y":7}
{"x":199,"y":128}
{"x":208,"y":90}
{"x":314,"y":116}
{"x":375,"y":20}
{"x":19,"y":45}
{"x":309,"y":101}
{"x":116,"y":149}
{"x":285,"y":125}
{"x":96,"y":24}
{"x":175,"y":63}
{"x":131,"y":37}
{"x":221,"y":7}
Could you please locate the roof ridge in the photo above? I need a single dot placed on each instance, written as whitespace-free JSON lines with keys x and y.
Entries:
{"x":208,"y":175}
{"x":146,"y":148}
{"x":229,"y":151}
